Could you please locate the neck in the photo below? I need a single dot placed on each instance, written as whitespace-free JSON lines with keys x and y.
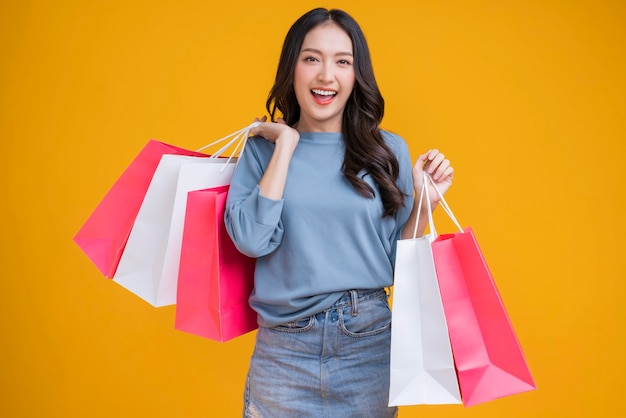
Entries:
{"x":312,"y":126}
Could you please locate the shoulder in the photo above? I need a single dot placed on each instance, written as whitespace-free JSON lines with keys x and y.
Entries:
{"x":257,"y":151}
{"x":258,"y":141}
{"x":259,"y":145}
{"x":394,"y":141}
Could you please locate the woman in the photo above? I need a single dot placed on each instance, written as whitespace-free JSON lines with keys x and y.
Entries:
{"x":319,"y":198}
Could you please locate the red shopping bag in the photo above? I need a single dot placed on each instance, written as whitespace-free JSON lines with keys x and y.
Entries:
{"x":487,"y":354}
{"x":103,"y":236}
{"x":214,"y":278}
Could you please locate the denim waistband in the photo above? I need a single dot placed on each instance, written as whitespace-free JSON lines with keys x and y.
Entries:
{"x":351,"y":297}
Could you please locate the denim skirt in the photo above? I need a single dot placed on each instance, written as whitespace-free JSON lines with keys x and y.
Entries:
{"x":332,"y":364}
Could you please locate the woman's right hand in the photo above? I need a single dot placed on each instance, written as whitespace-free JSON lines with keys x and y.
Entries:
{"x":277,"y":132}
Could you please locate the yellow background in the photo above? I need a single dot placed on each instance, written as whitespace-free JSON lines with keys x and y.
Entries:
{"x":527,"y":98}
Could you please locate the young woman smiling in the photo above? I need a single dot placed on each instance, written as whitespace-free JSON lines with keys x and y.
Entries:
{"x":320,"y":197}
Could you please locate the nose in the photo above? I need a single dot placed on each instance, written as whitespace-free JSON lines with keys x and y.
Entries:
{"x":326,"y":72}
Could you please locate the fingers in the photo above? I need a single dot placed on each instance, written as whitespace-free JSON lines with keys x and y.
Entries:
{"x":273,"y":131}
{"x":418,"y":168}
{"x":257,"y":129}
{"x":437,"y":165}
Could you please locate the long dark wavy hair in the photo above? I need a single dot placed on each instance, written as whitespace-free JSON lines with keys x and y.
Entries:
{"x":365,"y":147}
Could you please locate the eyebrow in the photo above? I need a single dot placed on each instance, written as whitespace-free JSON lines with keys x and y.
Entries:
{"x":349,"y":54}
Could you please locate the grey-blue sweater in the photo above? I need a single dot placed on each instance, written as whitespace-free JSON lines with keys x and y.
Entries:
{"x":322,"y":238}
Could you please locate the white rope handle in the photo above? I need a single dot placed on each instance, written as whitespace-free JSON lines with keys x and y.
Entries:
{"x":419,"y":211}
{"x":232,"y":136}
{"x":240,"y":138}
{"x":431,"y":223}
{"x":444,"y":205}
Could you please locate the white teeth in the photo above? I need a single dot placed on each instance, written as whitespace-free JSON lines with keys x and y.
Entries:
{"x":324,"y":92}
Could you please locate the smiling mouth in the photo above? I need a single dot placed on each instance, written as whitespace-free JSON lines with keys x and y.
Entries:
{"x":323,"y":96}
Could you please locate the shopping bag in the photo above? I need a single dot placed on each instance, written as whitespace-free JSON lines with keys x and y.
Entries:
{"x":104,"y":234}
{"x":215,"y":279}
{"x":422,"y":368}
{"x":488,"y":356}
{"x":142,"y":269}
{"x":148,"y":266}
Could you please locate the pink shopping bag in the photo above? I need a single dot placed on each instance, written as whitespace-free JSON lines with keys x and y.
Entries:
{"x":214,"y":278}
{"x":488,"y":357}
{"x":104,"y":234}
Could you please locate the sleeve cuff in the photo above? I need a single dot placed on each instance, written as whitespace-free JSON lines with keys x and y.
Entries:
{"x":268,"y":210}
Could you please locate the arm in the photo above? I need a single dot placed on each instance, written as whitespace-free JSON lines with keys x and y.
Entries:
{"x":254,"y":203}
{"x":285,"y":138}
{"x":435,"y":164}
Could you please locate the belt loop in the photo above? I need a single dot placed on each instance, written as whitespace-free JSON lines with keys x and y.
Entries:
{"x":355,"y":306}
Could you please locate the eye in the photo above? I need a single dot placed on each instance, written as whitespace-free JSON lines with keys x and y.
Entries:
{"x":310,"y":59}
{"x":344,"y":62}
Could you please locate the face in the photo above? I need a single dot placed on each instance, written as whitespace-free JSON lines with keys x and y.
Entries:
{"x":324,"y":78}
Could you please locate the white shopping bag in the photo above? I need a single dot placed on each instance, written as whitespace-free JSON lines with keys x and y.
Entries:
{"x":145,"y":267}
{"x":192,"y":176}
{"x":149,"y":264}
{"x":422,"y":367}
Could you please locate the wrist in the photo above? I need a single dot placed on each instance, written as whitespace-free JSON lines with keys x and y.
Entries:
{"x":433,"y":203}
{"x":287,"y":142}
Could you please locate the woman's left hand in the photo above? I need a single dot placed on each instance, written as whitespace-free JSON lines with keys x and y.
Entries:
{"x":438,"y":167}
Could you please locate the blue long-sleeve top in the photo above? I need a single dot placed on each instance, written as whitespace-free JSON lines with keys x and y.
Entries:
{"x":322,"y":238}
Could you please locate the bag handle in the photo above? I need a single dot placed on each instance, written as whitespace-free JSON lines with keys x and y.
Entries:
{"x":238,"y":137}
{"x":431,"y":223}
{"x":442,"y":202}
